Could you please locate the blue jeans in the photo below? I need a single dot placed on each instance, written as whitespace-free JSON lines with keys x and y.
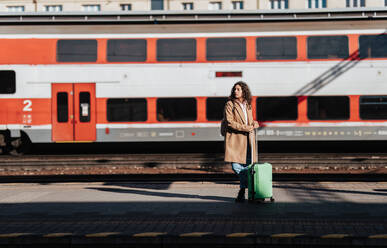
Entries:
{"x":242,"y":169}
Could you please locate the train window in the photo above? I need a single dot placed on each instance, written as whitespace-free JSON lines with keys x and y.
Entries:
{"x":131,"y":50}
{"x":7,"y":82}
{"x":328,"y":107}
{"x":84,"y":106}
{"x":327,"y":47}
{"x":373,"y":46}
{"x":276,"y":48}
{"x":176,"y":50}
{"x":277,"y":108}
{"x":176,"y":109}
{"x":215,"y":108}
{"x":373,"y":107}
{"x":62,"y":107}
{"x":126,"y":109}
{"x":76,"y":51}
{"x":226,"y":49}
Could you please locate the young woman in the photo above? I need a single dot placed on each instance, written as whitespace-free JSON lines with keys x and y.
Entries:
{"x":239,"y":138}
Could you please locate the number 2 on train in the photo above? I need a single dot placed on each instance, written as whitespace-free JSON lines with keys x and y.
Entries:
{"x":27,"y":105}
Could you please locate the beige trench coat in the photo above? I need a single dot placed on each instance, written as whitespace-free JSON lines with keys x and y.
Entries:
{"x":235,"y":141}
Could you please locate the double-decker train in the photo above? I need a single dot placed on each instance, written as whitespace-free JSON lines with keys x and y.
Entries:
{"x":319,"y":79}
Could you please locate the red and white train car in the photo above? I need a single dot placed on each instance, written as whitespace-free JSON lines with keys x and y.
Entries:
{"x":310,"y":80}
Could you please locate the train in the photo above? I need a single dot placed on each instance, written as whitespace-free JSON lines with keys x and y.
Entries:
{"x":318,"y":79}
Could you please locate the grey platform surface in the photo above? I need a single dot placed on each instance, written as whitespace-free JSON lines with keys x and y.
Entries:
{"x":191,"y":209}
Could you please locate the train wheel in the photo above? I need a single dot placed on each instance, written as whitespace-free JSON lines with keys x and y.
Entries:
{"x":15,"y":147}
{"x":19,"y":146}
{"x":3,"y":143}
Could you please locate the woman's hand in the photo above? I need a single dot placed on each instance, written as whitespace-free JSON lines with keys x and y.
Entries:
{"x":251,"y":128}
{"x":255,"y":124}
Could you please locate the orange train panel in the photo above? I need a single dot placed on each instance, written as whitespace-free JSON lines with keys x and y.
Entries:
{"x":151,"y":50}
{"x":36,"y":111}
{"x":201,"y":50}
{"x":302,"y":109}
{"x":10,"y":111}
{"x":84,"y":112}
{"x":25,"y":111}
{"x":251,"y":50}
{"x":355,"y":108}
{"x":254,"y":106}
{"x":27,"y":51}
{"x":102,"y":50}
{"x":353,"y":45}
{"x":301,"y":47}
{"x":43,"y":111}
{"x":3,"y":111}
{"x":201,"y":109}
{"x":152,"y":109}
{"x":43,"y":51}
{"x":101,"y":110}
{"x":62,"y":127}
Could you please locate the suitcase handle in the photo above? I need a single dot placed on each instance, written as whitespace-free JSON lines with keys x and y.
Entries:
{"x":256,"y":146}
{"x":252,"y":161}
{"x":252,"y":182}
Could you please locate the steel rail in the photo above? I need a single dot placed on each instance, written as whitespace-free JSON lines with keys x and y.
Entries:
{"x":188,"y":167}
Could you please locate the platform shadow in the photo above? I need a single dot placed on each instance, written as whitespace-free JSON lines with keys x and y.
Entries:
{"x":162,"y":194}
{"x":330,"y":190}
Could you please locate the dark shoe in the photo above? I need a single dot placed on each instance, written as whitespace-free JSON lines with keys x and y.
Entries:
{"x":241,"y":196}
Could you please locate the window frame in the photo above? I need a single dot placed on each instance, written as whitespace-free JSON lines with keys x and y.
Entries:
{"x":13,"y":77}
{"x":184,"y":5}
{"x":126,"y":7}
{"x":337,"y":58}
{"x":228,"y":59}
{"x":362,"y":35}
{"x":145,"y":100}
{"x":126,"y":61}
{"x":87,"y":7}
{"x":263,"y":37}
{"x":257,"y":109}
{"x":77,"y":61}
{"x":361,"y":105}
{"x":47,"y":8}
{"x":157,"y":5}
{"x":237,"y":5}
{"x":212,"y":98}
{"x":16,"y":8}
{"x":195,"y":43}
{"x":61,"y":107}
{"x":212,"y":4}
{"x":278,"y":4}
{"x":176,"y":98}
{"x":355,"y":3}
{"x":328,"y":119}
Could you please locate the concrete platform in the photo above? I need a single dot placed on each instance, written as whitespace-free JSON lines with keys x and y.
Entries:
{"x":175,"y":214}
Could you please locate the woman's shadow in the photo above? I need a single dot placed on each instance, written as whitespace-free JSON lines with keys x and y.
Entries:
{"x":163,"y":194}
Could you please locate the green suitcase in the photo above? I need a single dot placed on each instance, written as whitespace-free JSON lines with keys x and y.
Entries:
{"x":259,"y":179}
{"x":260,"y":184}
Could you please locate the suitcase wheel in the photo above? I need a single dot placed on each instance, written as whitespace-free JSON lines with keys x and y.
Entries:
{"x":272,"y":199}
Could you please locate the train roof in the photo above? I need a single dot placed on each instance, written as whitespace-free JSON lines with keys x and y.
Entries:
{"x":192,"y":21}
{"x":175,"y":17}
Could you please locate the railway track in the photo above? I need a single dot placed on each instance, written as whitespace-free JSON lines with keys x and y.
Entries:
{"x":191,"y":167}
{"x":280,"y":161}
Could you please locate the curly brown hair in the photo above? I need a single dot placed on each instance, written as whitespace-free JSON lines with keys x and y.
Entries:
{"x":246,"y":92}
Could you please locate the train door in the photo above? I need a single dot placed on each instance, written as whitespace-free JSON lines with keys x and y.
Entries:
{"x":73,"y":112}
